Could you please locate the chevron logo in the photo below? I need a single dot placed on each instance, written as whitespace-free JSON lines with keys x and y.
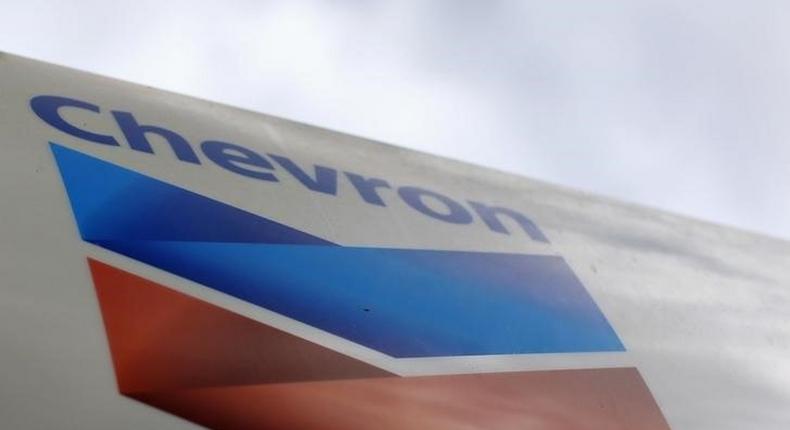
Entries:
{"x":220,"y":369}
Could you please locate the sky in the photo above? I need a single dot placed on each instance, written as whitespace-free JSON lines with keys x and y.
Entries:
{"x":675,"y":104}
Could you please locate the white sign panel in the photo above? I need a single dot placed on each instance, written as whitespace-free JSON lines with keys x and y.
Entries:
{"x":169,"y":262}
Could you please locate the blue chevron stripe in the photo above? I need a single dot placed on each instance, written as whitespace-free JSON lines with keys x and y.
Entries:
{"x":405,"y":303}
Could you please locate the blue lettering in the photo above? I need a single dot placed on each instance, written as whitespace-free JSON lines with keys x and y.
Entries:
{"x":490,"y":216}
{"x":238,"y":159}
{"x":48,"y":109}
{"x":325,"y":178}
{"x":136,"y":136}
{"x":366,"y":187}
{"x":414,"y":197}
{"x":246,"y":162}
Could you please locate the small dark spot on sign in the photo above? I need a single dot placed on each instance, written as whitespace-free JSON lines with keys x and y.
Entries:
{"x":366,"y":309}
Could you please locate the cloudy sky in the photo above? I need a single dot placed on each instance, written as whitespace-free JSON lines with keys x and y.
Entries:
{"x":677,"y":104}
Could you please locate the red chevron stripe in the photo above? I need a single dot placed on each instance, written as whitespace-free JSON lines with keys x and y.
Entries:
{"x":225,"y":371}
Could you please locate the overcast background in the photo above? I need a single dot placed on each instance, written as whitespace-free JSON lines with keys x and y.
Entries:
{"x":678,"y":104}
